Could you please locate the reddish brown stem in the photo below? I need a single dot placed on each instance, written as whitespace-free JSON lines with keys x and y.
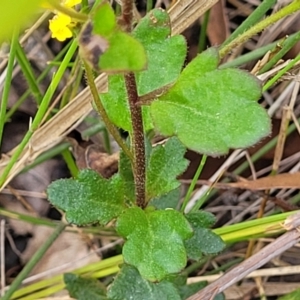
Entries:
{"x":136,"y":117}
{"x":137,"y":140}
{"x":127,"y":15}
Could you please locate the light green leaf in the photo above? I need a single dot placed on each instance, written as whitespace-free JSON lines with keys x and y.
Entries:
{"x":89,"y":198}
{"x":165,"y":54}
{"x":212,"y":110}
{"x":116,"y":105}
{"x":104,"y":20}
{"x":162,"y":68}
{"x":155,"y":241}
{"x":124,"y":53}
{"x":165,"y":164}
{"x":104,"y":45}
{"x":130,"y":285}
{"x":84,"y":288}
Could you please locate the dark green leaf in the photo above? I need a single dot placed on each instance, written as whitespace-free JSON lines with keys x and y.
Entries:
{"x":105,"y":46}
{"x":129,"y":285}
{"x":190,"y":289}
{"x":125,"y":171}
{"x":212,"y":110}
{"x":84,"y":288}
{"x":155,"y":241}
{"x":88,"y":199}
{"x":204,"y":241}
{"x":169,"y":200}
{"x":219,"y":297}
{"x":165,"y":164}
{"x":185,"y":291}
{"x":201,"y":219}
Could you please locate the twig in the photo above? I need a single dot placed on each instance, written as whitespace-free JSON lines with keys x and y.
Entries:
{"x":274,"y":249}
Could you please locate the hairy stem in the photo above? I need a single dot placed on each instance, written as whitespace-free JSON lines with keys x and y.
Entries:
{"x":138,"y":143}
{"x":137,"y":140}
{"x":127,"y":15}
{"x":100,"y":108}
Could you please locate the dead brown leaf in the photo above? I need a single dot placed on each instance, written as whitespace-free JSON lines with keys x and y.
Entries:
{"x":218,"y":24}
{"x":94,"y":158}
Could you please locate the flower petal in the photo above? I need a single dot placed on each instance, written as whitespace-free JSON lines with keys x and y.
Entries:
{"x":70,"y":3}
{"x":59,"y":27}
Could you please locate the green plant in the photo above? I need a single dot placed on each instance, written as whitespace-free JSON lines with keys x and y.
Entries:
{"x":142,"y":98}
{"x":200,"y":107}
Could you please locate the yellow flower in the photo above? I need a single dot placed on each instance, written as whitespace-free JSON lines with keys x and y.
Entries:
{"x":70,"y":3}
{"x":59,"y":26}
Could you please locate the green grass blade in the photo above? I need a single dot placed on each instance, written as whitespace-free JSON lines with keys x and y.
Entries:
{"x":253,"y":55}
{"x":45,"y":72}
{"x":281,"y":72}
{"x":7,"y":83}
{"x":286,"y":46}
{"x":33,"y":261}
{"x":41,"y":111}
{"x":193,"y":183}
{"x":28,"y":74}
{"x":257,"y":14}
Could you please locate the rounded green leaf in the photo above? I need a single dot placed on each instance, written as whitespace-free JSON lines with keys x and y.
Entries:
{"x":155,"y":241}
{"x":123,"y":54}
{"x":104,"y":20}
{"x":106,"y":47}
{"x":166,"y":162}
{"x":162,"y":68}
{"x":165,"y":54}
{"x":116,"y":105}
{"x":89,"y":198}
{"x":212,"y":110}
{"x":129,"y":284}
{"x":204,"y":241}
{"x":201,"y":218}
{"x":82,"y":288}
